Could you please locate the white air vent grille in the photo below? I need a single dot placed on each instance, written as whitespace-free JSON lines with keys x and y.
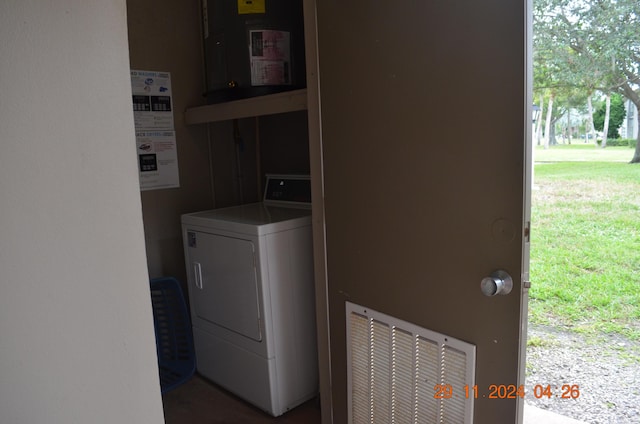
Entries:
{"x":395,"y":368}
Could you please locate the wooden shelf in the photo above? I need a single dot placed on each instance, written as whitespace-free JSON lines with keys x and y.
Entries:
{"x":288,"y":101}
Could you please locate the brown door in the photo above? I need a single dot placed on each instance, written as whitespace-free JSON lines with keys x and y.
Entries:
{"x":424,"y":124}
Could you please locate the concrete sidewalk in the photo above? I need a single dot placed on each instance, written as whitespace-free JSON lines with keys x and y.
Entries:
{"x":534,"y":415}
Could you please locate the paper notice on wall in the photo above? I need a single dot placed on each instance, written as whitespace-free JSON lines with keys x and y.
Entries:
{"x":152,"y":102}
{"x":270,"y":57}
{"x":157,"y":159}
{"x":155,"y":134}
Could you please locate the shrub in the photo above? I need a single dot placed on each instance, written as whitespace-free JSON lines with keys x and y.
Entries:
{"x":626,"y":142}
{"x":618,"y":142}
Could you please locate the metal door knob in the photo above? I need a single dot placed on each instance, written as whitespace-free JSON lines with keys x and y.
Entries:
{"x":500,"y":282}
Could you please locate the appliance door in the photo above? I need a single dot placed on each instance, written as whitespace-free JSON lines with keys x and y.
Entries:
{"x":224,"y":283}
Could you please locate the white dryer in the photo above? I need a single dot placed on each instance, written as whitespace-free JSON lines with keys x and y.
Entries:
{"x":250,"y":275}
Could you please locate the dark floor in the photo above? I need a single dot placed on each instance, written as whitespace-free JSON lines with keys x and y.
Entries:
{"x":201,"y":402}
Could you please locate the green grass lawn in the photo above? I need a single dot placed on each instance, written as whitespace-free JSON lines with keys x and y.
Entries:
{"x":585,"y":240}
{"x":582,"y":152}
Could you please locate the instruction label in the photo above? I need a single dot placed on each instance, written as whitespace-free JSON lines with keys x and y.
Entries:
{"x":270,"y":57}
{"x":155,"y":134}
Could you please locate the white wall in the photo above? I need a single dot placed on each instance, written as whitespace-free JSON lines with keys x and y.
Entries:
{"x":76,"y":331}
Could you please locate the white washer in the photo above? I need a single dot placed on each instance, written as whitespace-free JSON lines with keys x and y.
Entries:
{"x":250,"y":275}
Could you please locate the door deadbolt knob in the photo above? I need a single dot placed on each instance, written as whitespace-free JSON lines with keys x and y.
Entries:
{"x":499,"y":282}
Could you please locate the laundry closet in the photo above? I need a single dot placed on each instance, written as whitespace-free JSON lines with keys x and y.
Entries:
{"x":232,"y":131}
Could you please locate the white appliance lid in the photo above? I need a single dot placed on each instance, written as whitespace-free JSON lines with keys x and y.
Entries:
{"x":252,"y":219}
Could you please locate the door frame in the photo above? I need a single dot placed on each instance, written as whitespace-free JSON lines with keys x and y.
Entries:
{"x":526,"y":202}
{"x":317,"y":210}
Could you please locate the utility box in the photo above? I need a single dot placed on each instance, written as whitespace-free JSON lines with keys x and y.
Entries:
{"x":253,"y":48}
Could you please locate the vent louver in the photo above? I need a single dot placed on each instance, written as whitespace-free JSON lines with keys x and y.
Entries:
{"x":394,"y":367}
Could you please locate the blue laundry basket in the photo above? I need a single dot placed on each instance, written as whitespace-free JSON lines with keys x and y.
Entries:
{"x":174,"y":337}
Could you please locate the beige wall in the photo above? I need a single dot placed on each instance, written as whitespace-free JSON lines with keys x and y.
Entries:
{"x":284,"y":145}
{"x":273,"y":144}
{"x":76,"y":329}
{"x":165,"y":36}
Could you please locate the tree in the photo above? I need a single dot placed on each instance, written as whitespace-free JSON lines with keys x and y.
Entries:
{"x":617,"y":115}
{"x":558,"y":106}
{"x":604,"y":38}
{"x":558,"y":73}
{"x":591,"y":129}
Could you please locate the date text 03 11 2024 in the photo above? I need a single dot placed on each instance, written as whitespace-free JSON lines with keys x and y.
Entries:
{"x":507,"y":391}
